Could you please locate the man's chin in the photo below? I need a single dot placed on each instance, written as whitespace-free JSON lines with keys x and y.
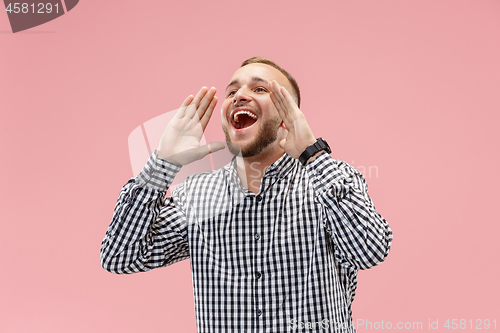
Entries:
{"x":237,"y":150}
{"x":254,"y":145}
{"x":234,"y":148}
{"x":248,"y":150}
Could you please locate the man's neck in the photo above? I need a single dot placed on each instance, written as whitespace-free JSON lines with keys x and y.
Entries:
{"x":252,"y":169}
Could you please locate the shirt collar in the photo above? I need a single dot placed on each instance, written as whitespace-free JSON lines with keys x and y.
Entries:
{"x":280,"y":168}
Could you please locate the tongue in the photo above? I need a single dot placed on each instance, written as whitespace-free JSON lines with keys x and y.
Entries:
{"x":244,"y":121}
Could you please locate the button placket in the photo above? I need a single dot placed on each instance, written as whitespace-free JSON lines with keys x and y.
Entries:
{"x":258,"y":246}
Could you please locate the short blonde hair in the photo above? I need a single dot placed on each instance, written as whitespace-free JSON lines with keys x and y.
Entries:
{"x":262,"y":60}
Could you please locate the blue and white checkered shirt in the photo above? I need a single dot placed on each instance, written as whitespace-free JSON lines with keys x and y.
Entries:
{"x":283,"y":260}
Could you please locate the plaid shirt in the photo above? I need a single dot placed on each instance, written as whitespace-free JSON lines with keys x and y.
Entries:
{"x":283,"y":260}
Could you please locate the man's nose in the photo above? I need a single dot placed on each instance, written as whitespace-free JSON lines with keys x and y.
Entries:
{"x":241,"y":96}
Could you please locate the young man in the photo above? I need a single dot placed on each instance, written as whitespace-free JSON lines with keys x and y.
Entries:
{"x":276,"y":238}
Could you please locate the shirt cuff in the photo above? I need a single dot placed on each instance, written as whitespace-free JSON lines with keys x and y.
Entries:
{"x":326,"y":173}
{"x":157,"y":174}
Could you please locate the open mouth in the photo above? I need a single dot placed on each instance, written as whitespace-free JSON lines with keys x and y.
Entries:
{"x":243,"y":119}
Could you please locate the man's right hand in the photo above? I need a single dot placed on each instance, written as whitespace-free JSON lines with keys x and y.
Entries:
{"x":180,"y":143}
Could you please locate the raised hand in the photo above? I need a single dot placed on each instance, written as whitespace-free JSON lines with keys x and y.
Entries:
{"x":180,"y":143}
{"x":300,"y":135}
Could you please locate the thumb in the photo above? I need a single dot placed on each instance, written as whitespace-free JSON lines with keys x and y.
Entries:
{"x":215,"y":146}
{"x":200,"y":152}
{"x":282,"y":144}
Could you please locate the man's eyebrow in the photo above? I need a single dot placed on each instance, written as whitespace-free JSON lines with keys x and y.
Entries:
{"x":259,"y":79}
{"x":232,"y":83}
{"x":254,"y":78}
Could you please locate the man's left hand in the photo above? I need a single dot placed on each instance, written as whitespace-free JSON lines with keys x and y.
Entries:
{"x":300,"y":135}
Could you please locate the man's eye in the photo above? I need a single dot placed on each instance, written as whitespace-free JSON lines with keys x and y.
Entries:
{"x":260,"y":89}
{"x":231,"y":93}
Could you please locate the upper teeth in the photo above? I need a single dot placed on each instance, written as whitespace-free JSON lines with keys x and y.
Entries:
{"x":238,"y":113}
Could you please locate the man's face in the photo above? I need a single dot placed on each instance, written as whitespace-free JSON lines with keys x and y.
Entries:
{"x":249,"y":118}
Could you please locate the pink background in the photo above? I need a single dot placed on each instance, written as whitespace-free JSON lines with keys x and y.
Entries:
{"x":410,"y":88}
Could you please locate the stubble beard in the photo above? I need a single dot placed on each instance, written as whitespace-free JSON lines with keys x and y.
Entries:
{"x":267,"y":134}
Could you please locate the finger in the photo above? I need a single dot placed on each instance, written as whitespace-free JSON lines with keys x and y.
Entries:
{"x":187,"y":101}
{"x":278,"y":97}
{"x":286,"y":104}
{"x":286,"y":107}
{"x":182,"y":108}
{"x":277,"y":104}
{"x":196,"y":102}
{"x":288,"y":100}
{"x":206,"y":102}
{"x":276,"y":89}
{"x":274,"y":95}
{"x":276,"y":101}
{"x":279,"y":107}
{"x":208,"y":114}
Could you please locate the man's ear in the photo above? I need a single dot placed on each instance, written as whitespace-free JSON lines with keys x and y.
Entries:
{"x":283,"y":124}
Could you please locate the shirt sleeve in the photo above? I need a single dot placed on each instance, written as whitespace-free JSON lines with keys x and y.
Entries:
{"x":147,"y":230}
{"x":362,"y":237}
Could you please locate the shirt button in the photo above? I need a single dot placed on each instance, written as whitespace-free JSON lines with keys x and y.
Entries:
{"x":349,"y":180}
{"x":319,"y":171}
{"x":258,"y":275}
{"x":259,"y":313}
{"x":258,"y":198}
{"x":257,"y":236}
